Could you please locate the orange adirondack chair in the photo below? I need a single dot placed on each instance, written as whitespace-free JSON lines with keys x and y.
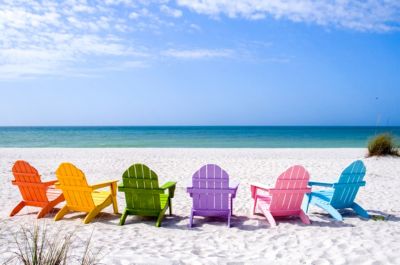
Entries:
{"x":34,"y":192}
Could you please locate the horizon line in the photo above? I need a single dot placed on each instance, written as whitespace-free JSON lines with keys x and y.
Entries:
{"x":90,"y":126}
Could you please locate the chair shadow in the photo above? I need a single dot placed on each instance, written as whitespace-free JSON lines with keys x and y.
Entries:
{"x":330,"y":222}
{"x":34,"y":212}
{"x":169,"y":221}
{"x":102,"y":217}
{"x":295,"y":220}
{"x":241,"y":222}
{"x":375,"y":215}
{"x":327,"y":218}
{"x":245,"y":223}
{"x":199,"y":222}
{"x":382,"y":216}
{"x":182,"y":222}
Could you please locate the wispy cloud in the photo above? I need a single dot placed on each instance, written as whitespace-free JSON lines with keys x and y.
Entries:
{"x":199,"y":53}
{"x":49,"y":37}
{"x":60,"y":37}
{"x":171,"y":11}
{"x":53,"y":37}
{"x":372,"y":15}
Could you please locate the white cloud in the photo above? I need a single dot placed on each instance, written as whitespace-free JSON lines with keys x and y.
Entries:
{"x":171,"y":11}
{"x":371,"y":15}
{"x":133,"y":15}
{"x":199,"y":53}
{"x":46,"y":38}
{"x":42,"y":37}
{"x":195,"y":27}
{"x":119,"y":2}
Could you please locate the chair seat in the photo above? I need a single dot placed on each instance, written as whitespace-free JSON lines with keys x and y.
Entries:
{"x":53,"y":193}
{"x":326,"y":193}
{"x":163,"y":203}
{"x":323,"y":193}
{"x":100,"y":196}
{"x":163,"y":200}
{"x":264,"y":197}
{"x":321,"y":196}
{"x":264,"y":201}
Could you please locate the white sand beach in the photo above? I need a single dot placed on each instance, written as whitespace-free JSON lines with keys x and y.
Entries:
{"x":250,"y":240}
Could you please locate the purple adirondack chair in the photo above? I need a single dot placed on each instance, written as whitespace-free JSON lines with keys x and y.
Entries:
{"x":211,"y":193}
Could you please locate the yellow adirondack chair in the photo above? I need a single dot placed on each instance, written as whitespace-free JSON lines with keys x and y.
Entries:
{"x":82,"y":197}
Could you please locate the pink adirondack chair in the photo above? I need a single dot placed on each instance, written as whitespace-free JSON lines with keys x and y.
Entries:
{"x":285,"y":198}
{"x":211,"y":193}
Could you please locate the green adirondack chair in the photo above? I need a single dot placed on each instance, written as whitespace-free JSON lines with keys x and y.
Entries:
{"x":143,"y":195}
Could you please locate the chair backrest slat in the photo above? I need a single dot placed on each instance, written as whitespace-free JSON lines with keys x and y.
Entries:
{"x":140,"y":177}
{"x":26,"y":174}
{"x":75,"y":188}
{"x":210,"y":177}
{"x":344,"y":195}
{"x":293,"y":179}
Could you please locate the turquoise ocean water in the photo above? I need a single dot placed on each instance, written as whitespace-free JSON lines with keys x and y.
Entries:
{"x":197,"y":136}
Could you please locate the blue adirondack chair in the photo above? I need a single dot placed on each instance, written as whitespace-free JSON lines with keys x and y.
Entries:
{"x":340,"y":195}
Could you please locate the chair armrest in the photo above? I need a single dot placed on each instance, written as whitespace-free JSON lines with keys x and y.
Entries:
{"x":104,"y":184}
{"x":257,"y":186}
{"x":51,"y":182}
{"x":40,"y":185}
{"x":170,"y":185}
{"x":321,"y":184}
{"x":234,"y":188}
{"x":234,"y":184}
{"x":356,"y":184}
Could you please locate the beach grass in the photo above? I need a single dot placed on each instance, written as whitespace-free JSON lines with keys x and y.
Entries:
{"x":382,"y":145}
{"x":37,"y":245}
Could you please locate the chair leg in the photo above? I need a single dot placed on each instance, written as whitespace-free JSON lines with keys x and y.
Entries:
{"x":268,"y":215}
{"x":229,"y":220}
{"x":255,"y":205}
{"x":231,"y":204}
{"x":306,"y":203}
{"x":92,"y":214}
{"x":18,"y":208}
{"x":123,"y":217}
{"x":114,"y":197}
{"x":332,"y":211}
{"x":115,"y":204}
{"x":359,"y":210}
{"x":161,"y":217}
{"x":191,"y":219}
{"x":64,"y":210}
{"x":170,"y":206}
{"x":270,"y":219}
{"x":304,"y":218}
{"x":45,"y":210}
{"x":49,"y":207}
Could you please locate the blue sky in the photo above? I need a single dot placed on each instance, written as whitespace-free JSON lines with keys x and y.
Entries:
{"x":199,"y":62}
